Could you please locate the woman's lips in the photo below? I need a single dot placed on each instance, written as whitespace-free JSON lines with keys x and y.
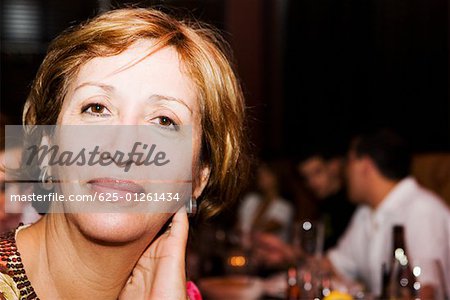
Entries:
{"x":111,"y":185}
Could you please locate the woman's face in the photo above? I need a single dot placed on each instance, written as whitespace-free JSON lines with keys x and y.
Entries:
{"x":267,"y":181}
{"x":132,"y":88}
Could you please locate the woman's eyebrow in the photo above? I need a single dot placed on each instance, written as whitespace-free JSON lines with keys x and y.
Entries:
{"x":106,"y":87}
{"x":157,"y":97}
{"x":154,"y":97}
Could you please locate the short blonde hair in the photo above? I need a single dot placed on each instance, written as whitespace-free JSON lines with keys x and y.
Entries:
{"x":206,"y":58}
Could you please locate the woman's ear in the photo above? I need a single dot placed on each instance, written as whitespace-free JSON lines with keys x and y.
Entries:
{"x":203,"y":180}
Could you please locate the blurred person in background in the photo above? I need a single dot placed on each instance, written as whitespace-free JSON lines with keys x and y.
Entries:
{"x":17,"y":212}
{"x":8,"y":220}
{"x":323,"y":174}
{"x":265,"y":209}
{"x":379,"y":180}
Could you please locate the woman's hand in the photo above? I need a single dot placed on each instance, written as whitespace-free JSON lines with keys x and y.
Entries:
{"x":160,"y":272}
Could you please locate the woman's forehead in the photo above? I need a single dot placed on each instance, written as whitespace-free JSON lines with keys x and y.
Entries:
{"x":139,"y":68}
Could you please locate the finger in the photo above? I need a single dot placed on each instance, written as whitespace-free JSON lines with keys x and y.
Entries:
{"x":180,"y":225}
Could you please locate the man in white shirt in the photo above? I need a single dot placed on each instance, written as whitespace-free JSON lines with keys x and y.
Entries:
{"x":378,"y":179}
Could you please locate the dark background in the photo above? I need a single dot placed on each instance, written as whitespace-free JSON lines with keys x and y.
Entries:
{"x":314,"y":71}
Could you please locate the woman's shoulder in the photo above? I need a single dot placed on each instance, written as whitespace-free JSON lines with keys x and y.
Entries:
{"x":283,"y":203}
{"x":250,"y":200}
{"x":252,"y":196}
{"x":14,"y":283}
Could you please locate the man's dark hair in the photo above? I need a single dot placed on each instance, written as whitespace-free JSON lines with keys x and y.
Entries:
{"x":389,"y":151}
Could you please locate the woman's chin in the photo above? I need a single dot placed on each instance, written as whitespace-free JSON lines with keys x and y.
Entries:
{"x":119,"y":228}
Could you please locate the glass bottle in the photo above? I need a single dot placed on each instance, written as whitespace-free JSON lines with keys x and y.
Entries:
{"x":293,"y":289}
{"x":401,"y":278}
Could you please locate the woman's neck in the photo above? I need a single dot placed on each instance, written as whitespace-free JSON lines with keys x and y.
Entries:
{"x":61,"y":263}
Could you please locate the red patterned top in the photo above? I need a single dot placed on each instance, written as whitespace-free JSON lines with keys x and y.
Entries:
{"x":14,"y":283}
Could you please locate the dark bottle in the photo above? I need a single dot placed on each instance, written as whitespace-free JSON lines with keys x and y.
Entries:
{"x":293,"y":289}
{"x":401,"y":278}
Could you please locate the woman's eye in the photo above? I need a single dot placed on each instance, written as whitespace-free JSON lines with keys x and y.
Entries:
{"x":165,"y":122}
{"x":95,"y":109}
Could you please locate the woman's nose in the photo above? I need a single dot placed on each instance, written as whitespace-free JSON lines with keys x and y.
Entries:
{"x":129,"y":118}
